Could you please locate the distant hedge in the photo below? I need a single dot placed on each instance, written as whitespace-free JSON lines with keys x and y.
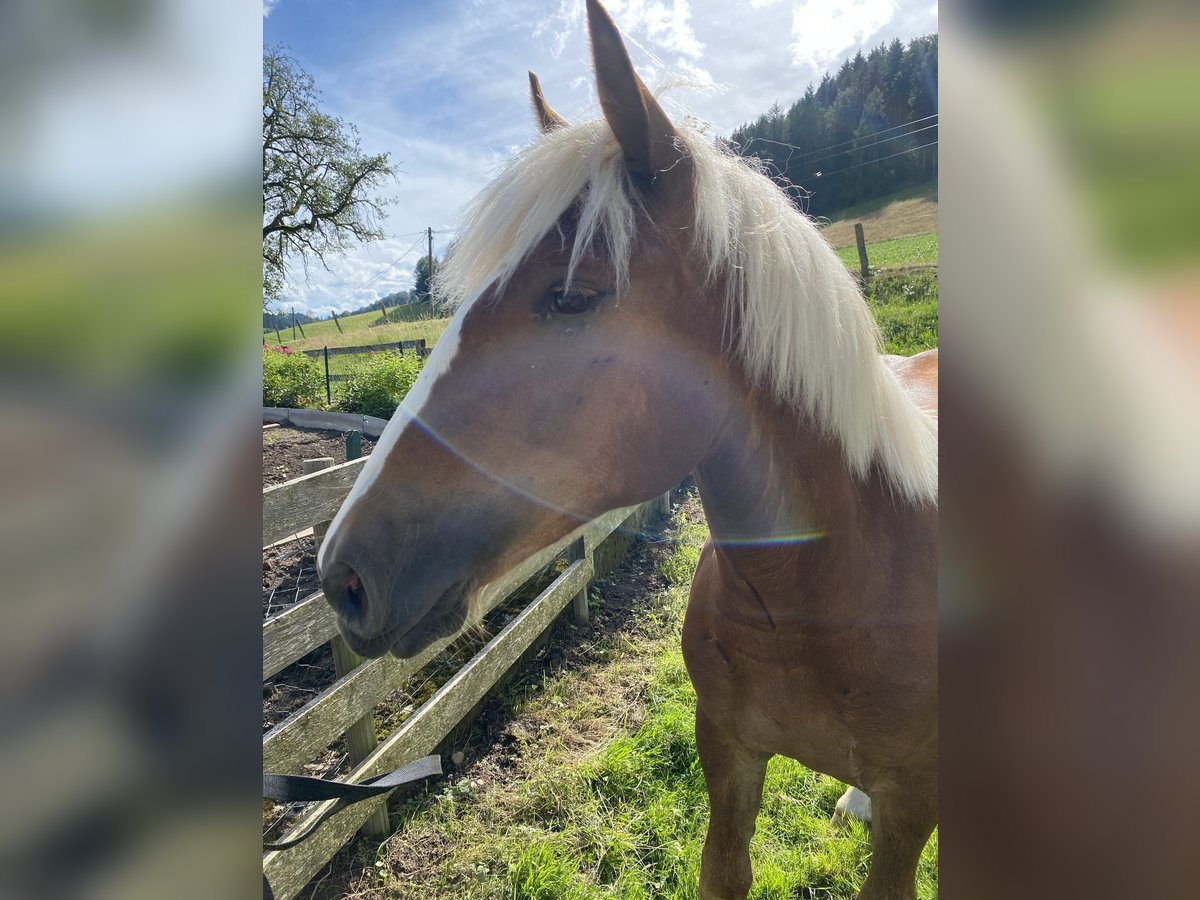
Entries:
{"x":291,"y":379}
{"x":376,"y":387}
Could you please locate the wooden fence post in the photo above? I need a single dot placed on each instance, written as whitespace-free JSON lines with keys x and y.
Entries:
{"x":579,"y":603}
{"x":328,"y":393}
{"x":864,"y":269}
{"x":360,"y":737}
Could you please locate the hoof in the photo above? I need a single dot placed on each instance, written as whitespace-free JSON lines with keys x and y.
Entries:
{"x":853,"y":804}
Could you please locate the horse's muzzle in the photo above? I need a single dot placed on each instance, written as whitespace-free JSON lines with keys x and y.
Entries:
{"x":366,"y":618}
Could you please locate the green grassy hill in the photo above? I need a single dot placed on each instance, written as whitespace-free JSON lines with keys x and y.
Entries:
{"x":368,"y":329}
{"x":912,"y":211}
{"x":926,"y":191}
{"x":904,"y":302}
{"x":918,"y":250}
{"x":372,"y":319}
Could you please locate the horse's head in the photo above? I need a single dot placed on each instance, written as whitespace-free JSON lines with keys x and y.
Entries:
{"x":578,"y":374}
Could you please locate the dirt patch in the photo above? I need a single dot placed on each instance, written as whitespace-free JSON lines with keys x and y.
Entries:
{"x":290,"y":575}
{"x":290,"y":569}
{"x":286,"y":447}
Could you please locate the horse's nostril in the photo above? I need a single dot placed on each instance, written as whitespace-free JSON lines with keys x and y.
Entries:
{"x":345,"y":592}
{"x":354,"y":593}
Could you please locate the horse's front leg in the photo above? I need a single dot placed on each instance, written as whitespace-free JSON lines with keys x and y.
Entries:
{"x":734,"y":777}
{"x":904,"y":814}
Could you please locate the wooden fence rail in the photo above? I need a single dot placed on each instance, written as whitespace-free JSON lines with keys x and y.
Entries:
{"x":418,"y":345}
{"x":311,"y":501}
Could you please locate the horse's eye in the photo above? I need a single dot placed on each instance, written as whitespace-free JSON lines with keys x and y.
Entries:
{"x":572,"y":301}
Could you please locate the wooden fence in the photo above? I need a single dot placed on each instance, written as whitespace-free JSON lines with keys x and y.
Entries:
{"x":346,"y":707}
{"x":417,"y":346}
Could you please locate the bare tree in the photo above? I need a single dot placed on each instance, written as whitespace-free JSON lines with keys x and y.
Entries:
{"x":320,"y":192}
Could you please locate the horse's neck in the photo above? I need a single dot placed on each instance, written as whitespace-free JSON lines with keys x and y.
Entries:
{"x":771,"y":475}
{"x":784,"y":510}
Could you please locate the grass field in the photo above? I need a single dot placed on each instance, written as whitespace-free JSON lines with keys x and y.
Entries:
{"x":363,"y":328}
{"x":359,"y":331}
{"x":902,"y":214}
{"x":906,"y":307}
{"x":917,"y":250}
{"x":606,"y":797}
{"x":927,"y":190}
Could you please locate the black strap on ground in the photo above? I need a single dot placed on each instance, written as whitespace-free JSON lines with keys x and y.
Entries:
{"x":304,"y":789}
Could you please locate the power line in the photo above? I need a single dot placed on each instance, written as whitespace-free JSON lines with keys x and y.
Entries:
{"x":381,"y":272}
{"x":863,"y":137}
{"x":870,"y":161}
{"x":808,"y":153}
{"x":894,"y":137}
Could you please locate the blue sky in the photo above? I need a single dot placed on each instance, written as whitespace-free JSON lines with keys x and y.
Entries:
{"x":442,"y":87}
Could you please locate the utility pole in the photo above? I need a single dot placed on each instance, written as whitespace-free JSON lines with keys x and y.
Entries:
{"x":429,"y":281}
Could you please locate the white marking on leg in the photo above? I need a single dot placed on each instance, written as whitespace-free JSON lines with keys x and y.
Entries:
{"x":853,"y":804}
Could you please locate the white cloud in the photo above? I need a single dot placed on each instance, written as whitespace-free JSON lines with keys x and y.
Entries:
{"x":268,"y":7}
{"x":359,"y":277}
{"x":822,"y":30}
{"x":653,"y":26}
{"x":561,"y":25}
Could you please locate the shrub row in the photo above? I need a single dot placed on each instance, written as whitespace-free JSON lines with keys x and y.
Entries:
{"x":373,"y":388}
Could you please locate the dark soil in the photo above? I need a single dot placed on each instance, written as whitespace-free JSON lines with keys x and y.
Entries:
{"x":286,"y":447}
{"x":290,"y":569}
{"x":290,"y":575}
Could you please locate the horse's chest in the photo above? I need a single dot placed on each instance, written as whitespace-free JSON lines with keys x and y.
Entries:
{"x":768,"y":692}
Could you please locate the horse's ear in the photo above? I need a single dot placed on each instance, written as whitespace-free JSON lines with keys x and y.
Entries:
{"x":547,"y":118}
{"x":642,"y":128}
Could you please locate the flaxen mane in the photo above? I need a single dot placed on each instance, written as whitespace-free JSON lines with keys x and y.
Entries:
{"x":801,"y":325}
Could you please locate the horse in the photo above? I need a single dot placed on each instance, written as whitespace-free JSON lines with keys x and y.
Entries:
{"x":633,"y":303}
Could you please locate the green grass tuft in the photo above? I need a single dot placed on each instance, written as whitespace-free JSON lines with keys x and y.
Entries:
{"x":906,"y":307}
{"x":918,"y":250}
